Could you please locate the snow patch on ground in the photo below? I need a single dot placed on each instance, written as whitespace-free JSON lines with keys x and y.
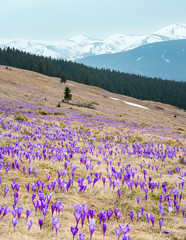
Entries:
{"x":165,"y":59}
{"x":70,"y":84}
{"x":129,"y":103}
{"x":139,"y":59}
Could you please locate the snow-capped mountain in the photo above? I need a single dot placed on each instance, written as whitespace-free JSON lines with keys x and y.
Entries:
{"x":82,"y":46}
{"x":165,"y":60}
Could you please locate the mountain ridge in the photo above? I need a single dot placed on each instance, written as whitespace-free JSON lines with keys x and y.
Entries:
{"x":161,"y":60}
{"x":81,"y":46}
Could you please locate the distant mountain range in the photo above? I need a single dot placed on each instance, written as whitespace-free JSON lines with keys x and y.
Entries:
{"x":82,"y":49}
{"x":165,"y":60}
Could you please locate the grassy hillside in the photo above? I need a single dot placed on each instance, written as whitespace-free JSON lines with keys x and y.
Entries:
{"x":136,"y":86}
{"x":63,"y":155}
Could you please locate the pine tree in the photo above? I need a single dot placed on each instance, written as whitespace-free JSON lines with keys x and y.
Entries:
{"x":67,"y":94}
{"x":63,"y":78}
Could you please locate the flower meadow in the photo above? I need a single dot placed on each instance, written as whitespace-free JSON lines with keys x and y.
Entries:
{"x":80,"y":177}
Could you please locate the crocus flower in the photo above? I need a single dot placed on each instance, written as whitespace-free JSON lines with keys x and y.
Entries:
{"x":81,"y":236}
{"x":118,"y":232}
{"x":162,"y":211}
{"x":27,"y":187}
{"x":138,"y":199}
{"x":6,"y":211}
{"x":104,"y":229}
{"x":109,"y":214}
{"x":57,"y":226}
{"x":91,"y":230}
{"x":1,"y":209}
{"x":124,"y":229}
{"x":148,"y":216}
{"x":74,"y":231}
{"x":19,"y":211}
{"x":40,"y":223}
{"x":138,"y":215}
{"x":78,"y":217}
{"x":14,"y":222}
{"x":54,"y":222}
{"x":183,"y":211}
{"x":83,"y":215}
{"x":125,"y":237}
{"x":152,"y":220}
{"x":29,"y":224}
{"x":160,"y":222}
{"x":131,"y":216}
{"x":119,"y":192}
{"x":6,"y":190}
{"x":28,"y":212}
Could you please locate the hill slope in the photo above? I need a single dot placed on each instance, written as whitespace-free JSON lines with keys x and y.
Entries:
{"x":27,"y":90}
{"x":140,"y":87}
{"x":113,"y":163}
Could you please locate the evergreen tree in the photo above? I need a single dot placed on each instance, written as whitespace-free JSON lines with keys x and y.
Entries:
{"x":67,"y":94}
{"x":63,"y":78}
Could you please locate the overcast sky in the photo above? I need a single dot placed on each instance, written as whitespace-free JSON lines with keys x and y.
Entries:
{"x":60,"y":19}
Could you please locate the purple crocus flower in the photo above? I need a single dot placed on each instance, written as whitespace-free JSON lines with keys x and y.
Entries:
{"x":183,"y":211}
{"x":28,"y":212}
{"x":6,"y":190}
{"x":162,"y":211}
{"x":138,"y":199}
{"x":78,"y":217}
{"x":138,"y":215}
{"x":91,"y":230}
{"x":40,"y":223}
{"x":1,"y":209}
{"x":160,"y":222}
{"x":54,"y":222}
{"x":152,"y":220}
{"x":29,"y":224}
{"x":6,"y":211}
{"x":109,"y":214}
{"x":74,"y":231}
{"x":19,"y":211}
{"x":142,"y":209}
{"x":103,"y":180}
{"x":131,"y":216}
{"x":44,"y":212}
{"x":83,"y":215}
{"x":14,"y":212}
{"x":14,"y":222}
{"x":124,"y":229}
{"x":81,"y":236}
{"x":118,"y":232}
{"x":119,"y":192}
{"x":177,"y":208}
{"x":57,"y":226}
{"x":35,"y":173}
{"x":27,"y":187}
{"x":104,"y":229}
{"x":148,"y":216}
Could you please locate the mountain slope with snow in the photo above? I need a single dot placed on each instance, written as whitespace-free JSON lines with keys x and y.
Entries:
{"x":165,"y":60}
{"x":82,"y":46}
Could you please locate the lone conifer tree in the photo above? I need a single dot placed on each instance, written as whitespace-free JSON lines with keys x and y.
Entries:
{"x":67,"y":94}
{"x":63,"y":78}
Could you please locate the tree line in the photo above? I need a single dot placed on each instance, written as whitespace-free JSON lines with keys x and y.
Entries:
{"x":144,"y":88}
